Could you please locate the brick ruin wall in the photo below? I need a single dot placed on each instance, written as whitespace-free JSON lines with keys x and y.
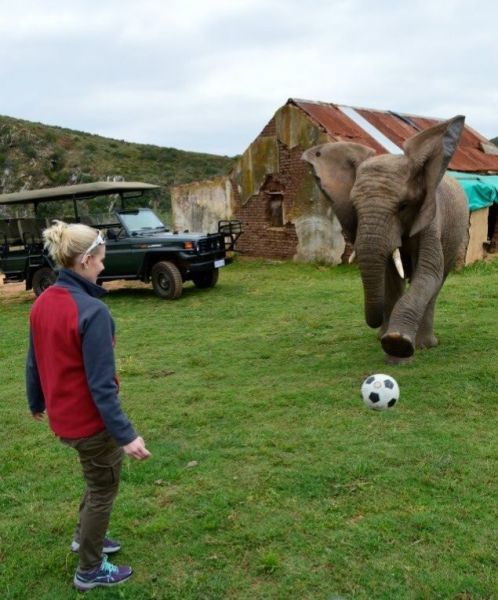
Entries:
{"x":259,"y":237}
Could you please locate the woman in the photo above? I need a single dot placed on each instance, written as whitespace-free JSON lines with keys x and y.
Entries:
{"x":71,"y":375}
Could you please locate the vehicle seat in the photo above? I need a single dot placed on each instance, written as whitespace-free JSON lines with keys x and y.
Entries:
{"x":31,"y":231}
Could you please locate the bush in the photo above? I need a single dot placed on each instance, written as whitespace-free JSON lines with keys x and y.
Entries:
{"x":28,"y":149}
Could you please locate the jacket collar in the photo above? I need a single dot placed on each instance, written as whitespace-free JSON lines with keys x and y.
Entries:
{"x":70,"y":279}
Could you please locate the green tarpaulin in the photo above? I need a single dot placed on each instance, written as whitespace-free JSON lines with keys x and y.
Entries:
{"x":481,"y":190}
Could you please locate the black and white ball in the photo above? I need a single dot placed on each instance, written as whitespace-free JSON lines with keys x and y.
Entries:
{"x":380,"y":391}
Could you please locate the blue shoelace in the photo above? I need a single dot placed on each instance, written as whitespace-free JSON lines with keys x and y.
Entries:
{"x":108,"y":567}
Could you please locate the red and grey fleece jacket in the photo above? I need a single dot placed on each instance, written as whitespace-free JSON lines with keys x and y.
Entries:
{"x":70,"y":369}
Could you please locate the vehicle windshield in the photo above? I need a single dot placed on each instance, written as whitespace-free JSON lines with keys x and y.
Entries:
{"x":140,"y":221}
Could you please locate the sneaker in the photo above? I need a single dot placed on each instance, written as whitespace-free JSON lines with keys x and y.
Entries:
{"x":106,"y":575}
{"x":110,"y":546}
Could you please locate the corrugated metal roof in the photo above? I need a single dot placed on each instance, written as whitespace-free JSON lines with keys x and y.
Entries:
{"x":397,"y":127}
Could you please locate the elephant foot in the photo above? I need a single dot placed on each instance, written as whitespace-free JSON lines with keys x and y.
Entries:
{"x":396,"y":360}
{"x":427,"y":341}
{"x":397,"y":345}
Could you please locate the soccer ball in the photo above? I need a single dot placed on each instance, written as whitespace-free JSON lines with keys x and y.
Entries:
{"x":380,"y":391}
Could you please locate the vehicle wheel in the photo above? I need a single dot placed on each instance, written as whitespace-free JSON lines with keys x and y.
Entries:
{"x":42,"y":279}
{"x":166,"y":280}
{"x":206,"y":279}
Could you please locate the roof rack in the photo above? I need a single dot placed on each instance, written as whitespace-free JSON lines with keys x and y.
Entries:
{"x":80,"y":190}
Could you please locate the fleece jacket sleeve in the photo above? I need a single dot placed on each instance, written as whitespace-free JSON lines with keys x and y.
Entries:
{"x":34,"y":391}
{"x":98,"y":358}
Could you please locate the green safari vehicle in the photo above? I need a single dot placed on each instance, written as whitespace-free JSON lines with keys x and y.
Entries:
{"x":139,"y":246}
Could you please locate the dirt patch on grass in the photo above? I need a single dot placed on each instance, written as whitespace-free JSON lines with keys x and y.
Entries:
{"x":8,"y":290}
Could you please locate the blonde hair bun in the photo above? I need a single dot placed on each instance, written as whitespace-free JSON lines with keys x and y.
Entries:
{"x":65,"y":242}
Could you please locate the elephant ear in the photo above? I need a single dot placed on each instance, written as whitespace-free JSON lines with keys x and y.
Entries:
{"x":335,"y":165}
{"x":430,"y":153}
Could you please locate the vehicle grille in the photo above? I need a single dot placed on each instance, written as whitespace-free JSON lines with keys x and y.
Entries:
{"x":211,"y":244}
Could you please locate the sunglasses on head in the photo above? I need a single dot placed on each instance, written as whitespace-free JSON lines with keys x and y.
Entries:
{"x":98,"y":241}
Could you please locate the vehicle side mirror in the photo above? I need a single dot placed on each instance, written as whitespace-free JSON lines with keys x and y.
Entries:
{"x":112,"y":234}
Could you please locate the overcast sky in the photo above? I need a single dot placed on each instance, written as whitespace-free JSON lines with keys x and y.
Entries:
{"x":207,"y":75}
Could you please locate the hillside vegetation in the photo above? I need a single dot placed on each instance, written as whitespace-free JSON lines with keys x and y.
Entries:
{"x":33,"y":155}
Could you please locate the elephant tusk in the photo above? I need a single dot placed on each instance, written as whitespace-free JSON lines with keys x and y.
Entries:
{"x":398,"y":264}
{"x":352,"y":257}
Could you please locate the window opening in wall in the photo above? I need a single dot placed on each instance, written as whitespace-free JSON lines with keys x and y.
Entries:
{"x":275,"y":204}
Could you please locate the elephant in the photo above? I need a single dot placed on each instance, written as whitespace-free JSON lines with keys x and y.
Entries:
{"x":406,"y":219}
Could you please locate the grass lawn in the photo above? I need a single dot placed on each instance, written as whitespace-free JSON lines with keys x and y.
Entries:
{"x":269,"y":478}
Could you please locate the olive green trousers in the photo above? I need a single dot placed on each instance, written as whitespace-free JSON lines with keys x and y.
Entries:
{"x":101,"y":459}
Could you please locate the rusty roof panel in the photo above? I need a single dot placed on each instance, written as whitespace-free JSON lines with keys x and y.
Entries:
{"x":391,"y":126}
{"x":398,"y":127}
{"x":337,"y":124}
{"x":469,"y":155}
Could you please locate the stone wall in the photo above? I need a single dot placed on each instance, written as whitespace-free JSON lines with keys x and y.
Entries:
{"x":309,"y":233}
{"x":478,"y":230}
{"x":200,"y":205}
{"x":272,"y":168}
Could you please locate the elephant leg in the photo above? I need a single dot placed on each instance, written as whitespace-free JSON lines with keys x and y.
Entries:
{"x":425,"y":335}
{"x":414,"y":310}
{"x":394,"y":288}
{"x":416,"y":307}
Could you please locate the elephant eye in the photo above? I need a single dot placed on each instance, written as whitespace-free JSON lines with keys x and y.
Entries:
{"x":318,"y":153}
{"x":402,"y":206}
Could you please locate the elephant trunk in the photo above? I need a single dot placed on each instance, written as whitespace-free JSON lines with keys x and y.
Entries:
{"x":372,"y":256}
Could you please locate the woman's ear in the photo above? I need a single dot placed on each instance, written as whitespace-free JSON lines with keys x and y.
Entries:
{"x":83,"y":262}
{"x":430,"y":153}
{"x":335,"y":166}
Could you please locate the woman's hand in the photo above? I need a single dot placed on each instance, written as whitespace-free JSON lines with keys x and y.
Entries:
{"x":137,"y":449}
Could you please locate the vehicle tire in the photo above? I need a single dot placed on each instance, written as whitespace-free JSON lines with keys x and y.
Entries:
{"x":166,"y":280}
{"x":206,"y":279}
{"x":42,"y":279}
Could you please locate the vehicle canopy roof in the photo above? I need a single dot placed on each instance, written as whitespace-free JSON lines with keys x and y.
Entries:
{"x":80,"y":190}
